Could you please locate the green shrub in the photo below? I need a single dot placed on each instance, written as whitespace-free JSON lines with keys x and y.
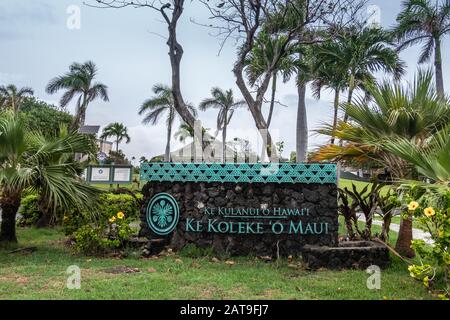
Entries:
{"x":432,"y":211}
{"x":193,"y":251}
{"x":111,"y":203}
{"x":103,"y":236}
{"x":106,"y":230}
{"x":29,"y":211}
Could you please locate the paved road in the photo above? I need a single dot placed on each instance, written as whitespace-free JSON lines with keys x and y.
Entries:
{"x":417,"y":233}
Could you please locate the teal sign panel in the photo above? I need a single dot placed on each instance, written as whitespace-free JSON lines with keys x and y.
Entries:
{"x":239,"y":172}
{"x":162,"y":214}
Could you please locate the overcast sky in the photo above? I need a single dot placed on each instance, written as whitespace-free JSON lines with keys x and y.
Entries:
{"x":131,"y":55}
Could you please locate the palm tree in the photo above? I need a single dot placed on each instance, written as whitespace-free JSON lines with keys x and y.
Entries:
{"x":117,"y":130}
{"x":79,"y":81}
{"x":143,"y":159}
{"x":361,"y":52}
{"x":431,"y":160}
{"x":415,"y":113}
{"x":422,"y":21}
{"x":28,"y":163}
{"x":155,"y":108}
{"x":12,"y":97}
{"x":260,"y":58}
{"x":329,"y":76}
{"x":224,"y":101}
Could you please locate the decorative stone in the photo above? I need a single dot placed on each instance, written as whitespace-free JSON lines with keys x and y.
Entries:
{"x":254,"y":195}
{"x":347,"y":255}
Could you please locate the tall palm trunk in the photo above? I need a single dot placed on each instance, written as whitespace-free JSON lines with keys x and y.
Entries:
{"x":438,"y":67}
{"x":47,"y":213}
{"x":272,"y":99}
{"x":302,"y":124}
{"x":80,"y":116}
{"x":169,"y":135}
{"x":351,"y":87}
{"x":335,"y":116}
{"x":224,"y":135}
{"x":405,"y":236}
{"x":9,"y":203}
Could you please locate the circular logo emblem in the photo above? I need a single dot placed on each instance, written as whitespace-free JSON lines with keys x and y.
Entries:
{"x":162,"y":214}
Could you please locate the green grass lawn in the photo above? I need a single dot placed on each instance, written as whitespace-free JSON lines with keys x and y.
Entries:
{"x":42,"y":275}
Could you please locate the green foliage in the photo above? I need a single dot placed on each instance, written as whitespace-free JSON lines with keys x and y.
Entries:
{"x":79,"y":84}
{"x":431,"y":160}
{"x":414,"y":113}
{"x":193,"y":251}
{"x":111,"y":203}
{"x":116,"y":158}
{"x":108,"y":229}
{"x":103,"y":236}
{"x":117,"y":130}
{"x":29,"y":211}
{"x":42,"y":165}
{"x":39,"y":116}
{"x":432,"y":210}
{"x":366,"y":200}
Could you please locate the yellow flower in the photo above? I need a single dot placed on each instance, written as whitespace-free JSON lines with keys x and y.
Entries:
{"x":429,"y":212}
{"x":120,"y":215}
{"x":112,"y":219}
{"x":426,"y":282}
{"x":413,"y":205}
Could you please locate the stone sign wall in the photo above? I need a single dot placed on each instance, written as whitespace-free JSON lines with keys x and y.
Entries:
{"x":240,"y":218}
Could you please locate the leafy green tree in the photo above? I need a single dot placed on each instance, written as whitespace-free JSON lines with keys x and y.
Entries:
{"x":360,"y":52}
{"x":431,"y":160}
{"x":39,"y":116}
{"x":156,"y":106}
{"x":259,"y":61}
{"x":118,"y":131}
{"x":30,"y":161}
{"x":12,"y":97}
{"x":427,"y":22}
{"x":143,"y":159}
{"x":225,"y":102}
{"x":330,"y":76}
{"x":416,"y":113}
{"x":79,"y":82}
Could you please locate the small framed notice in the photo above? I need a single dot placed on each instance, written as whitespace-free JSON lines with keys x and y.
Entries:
{"x":122,"y":174}
{"x":108,"y":174}
{"x":100,"y":174}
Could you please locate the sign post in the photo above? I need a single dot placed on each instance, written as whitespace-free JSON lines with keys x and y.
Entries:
{"x":109,"y":174}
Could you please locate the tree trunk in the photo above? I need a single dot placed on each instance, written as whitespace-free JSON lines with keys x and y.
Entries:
{"x":302,"y":125}
{"x":80,"y":116}
{"x":385,"y":228}
{"x":438,"y":67}
{"x":403,"y":245}
{"x":335,"y":116}
{"x":224,"y":136}
{"x":10,"y":204}
{"x":169,"y":135}
{"x":176,"y":54}
{"x":351,"y":87}
{"x":272,"y":99}
{"x":47,"y":213}
{"x":117,"y":145}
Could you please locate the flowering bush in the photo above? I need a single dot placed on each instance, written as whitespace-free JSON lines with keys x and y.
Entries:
{"x":104,"y":235}
{"x":29,"y":212}
{"x":106,"y":229}
{"x":432,"y":210}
